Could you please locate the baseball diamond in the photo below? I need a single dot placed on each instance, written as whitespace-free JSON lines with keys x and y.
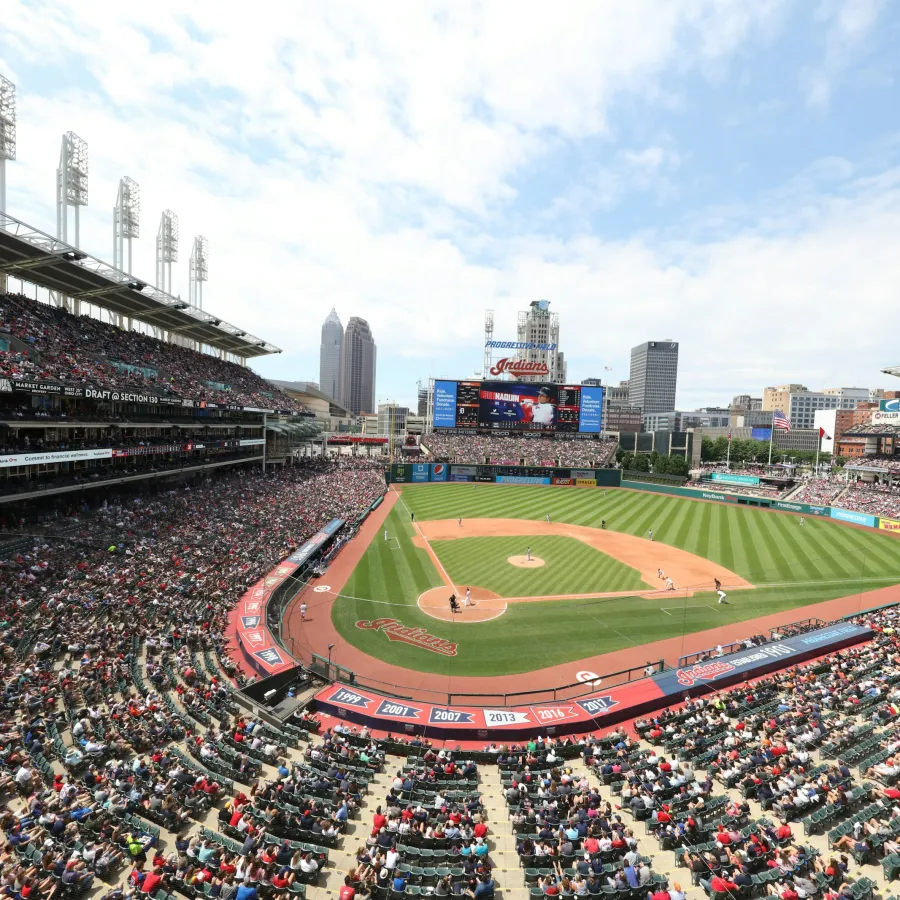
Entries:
{"x":600,"y":590}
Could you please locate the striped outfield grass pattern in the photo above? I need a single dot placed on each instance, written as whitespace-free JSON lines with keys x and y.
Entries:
{"x":570,"y":567}
{"x":792,"y":566}
{"x":763,"y":546}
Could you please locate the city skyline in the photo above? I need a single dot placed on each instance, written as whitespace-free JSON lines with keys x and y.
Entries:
{"x":678,"y":162}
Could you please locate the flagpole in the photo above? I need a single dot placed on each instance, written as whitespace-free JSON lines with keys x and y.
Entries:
{"x":771,"y":436}
{"x":728,"y":454}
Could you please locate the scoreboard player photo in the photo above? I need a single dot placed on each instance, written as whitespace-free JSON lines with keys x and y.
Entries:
{"x":510,"y":405}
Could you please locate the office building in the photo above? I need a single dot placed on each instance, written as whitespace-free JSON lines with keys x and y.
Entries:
{"x":392,"y":418}
{"x":746,"y":402}
{"x":330,"y":356}
{"x":653,"y":376}
{"x":358,"y":367}
{"x":538,"y":325}
{"x":618,"y":393}
{"x":620,"y":417}
{"x":800,"y":404}
{"x":681,"y":420}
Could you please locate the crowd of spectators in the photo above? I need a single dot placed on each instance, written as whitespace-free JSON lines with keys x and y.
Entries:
{"x":83,"y":351}
{"x":873,"y":499}
{"x":819,"y":491}
{"x":102,"y":614}
{"x":535,"y":451}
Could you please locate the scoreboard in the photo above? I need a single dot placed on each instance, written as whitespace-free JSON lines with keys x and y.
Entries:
{"x":518,"y":406}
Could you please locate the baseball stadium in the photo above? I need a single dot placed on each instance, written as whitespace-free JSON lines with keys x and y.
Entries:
{"x":270,"y":639}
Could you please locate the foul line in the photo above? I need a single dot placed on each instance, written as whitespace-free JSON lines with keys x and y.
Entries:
{"x":434,"y":557}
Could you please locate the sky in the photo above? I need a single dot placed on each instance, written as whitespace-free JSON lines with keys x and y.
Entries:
{"x":724,"y":174}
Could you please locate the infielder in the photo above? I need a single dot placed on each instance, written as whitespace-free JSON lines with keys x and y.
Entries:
{"x":722,"y":596}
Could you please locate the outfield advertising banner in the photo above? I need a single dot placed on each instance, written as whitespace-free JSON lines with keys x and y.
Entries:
{"x":585,"y":482}
{"x":401,"y":472}
{"x":889,"y":525}
{"x":438,"y":472}
{"x":420,"y":472}
{"x":734,"y":479}
{"x":599,"y":709}
{"x":855,"y":518}
{"x":521,"y":479}
{"x":804,"y":508}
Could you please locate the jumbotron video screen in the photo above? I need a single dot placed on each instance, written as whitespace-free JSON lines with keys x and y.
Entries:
{"x":516,"y":406}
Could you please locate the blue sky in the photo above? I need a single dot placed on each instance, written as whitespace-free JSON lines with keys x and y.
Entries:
{"x":722,"y":173}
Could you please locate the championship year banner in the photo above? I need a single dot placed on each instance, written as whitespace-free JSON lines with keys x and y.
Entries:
{"x":598,"y":709}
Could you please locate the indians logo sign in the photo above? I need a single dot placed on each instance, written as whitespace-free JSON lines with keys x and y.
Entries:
{"x":417,"y":637}
{"x":517,"y":367}
{"x":703,"y":672}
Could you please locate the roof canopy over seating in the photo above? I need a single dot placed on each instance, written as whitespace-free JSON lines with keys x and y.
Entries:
{"x":31,"y":255}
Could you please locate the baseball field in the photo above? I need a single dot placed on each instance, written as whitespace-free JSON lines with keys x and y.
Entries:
{"x":563,"y":574}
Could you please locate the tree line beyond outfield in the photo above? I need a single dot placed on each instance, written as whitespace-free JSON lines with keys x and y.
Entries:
{"x":660,"y":464}
{"x":747,"y":450}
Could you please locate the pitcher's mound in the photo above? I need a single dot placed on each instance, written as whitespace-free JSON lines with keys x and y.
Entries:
{"x":488,"y":605}
{"x":523,"y":562}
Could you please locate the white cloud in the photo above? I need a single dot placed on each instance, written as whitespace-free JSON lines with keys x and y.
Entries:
{"x":848,"y":22}
{"x":363,"y":156}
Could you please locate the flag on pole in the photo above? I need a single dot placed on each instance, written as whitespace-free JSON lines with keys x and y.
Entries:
{"x":823,"y":434}
{"x":729,"y":435}
{"x":781,"y":421}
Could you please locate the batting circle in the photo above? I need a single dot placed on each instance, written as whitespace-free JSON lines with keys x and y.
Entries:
{"x":322,"y":589}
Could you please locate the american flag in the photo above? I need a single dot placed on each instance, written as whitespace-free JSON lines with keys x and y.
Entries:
{"x":781,"y":421}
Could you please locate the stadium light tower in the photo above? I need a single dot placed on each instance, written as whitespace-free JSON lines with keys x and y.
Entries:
{"x":166,"y":249}
{"x":126,"y":221}
{"x":199,"y":271}
{"x":7,"y":133}
{"x":71,"y":184}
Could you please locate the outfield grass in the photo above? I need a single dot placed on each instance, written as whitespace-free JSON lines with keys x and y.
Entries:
{"x":571,"y":567}
{"x":802,"y":565}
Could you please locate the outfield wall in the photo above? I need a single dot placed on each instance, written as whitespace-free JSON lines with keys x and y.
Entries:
{"x":441,"y":473}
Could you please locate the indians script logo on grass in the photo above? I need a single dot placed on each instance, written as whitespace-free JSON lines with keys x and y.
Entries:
{"x":703,"y":672}
{"x":418,"y":637}
{"x":519,"y":367}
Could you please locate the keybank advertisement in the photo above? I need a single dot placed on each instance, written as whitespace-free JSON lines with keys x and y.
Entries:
{"x":445,"y":404}
{"x":845,"y":515}
{"x":590,"y":417}
{"x":734,"y":479}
